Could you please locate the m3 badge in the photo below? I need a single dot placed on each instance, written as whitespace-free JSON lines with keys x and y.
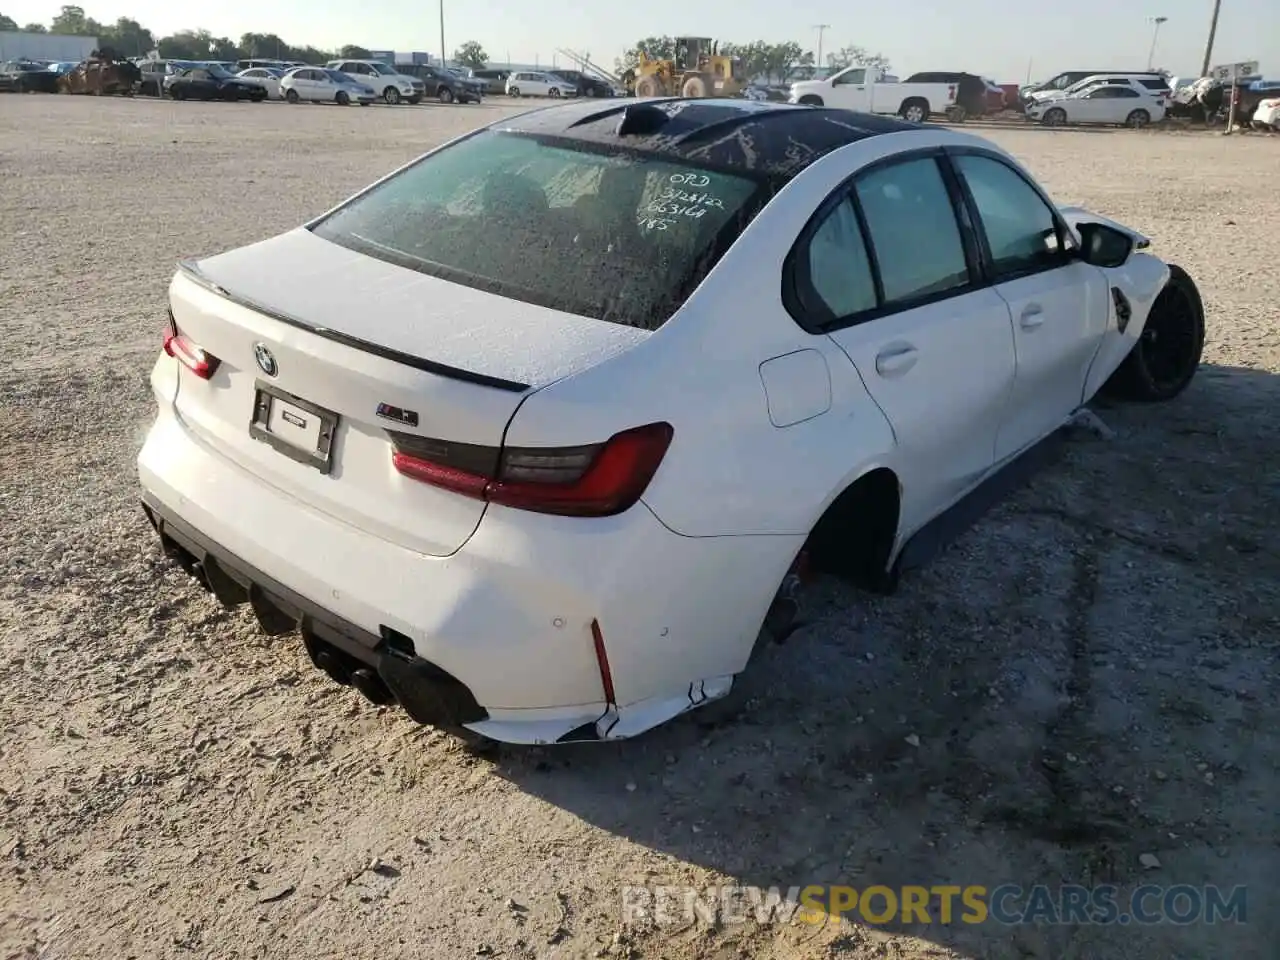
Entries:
{"x":400,"y":415}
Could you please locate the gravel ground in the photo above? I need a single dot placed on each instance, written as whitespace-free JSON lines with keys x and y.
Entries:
{"x":1090,"y":674}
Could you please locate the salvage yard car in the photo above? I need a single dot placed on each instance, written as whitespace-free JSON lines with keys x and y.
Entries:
{"x":385,"y":80}
{"x":1107,"y":103}
{"x":555,"y":496}
{"x":865,"y":89}
{"x":212,"y":83}
{"x":27,"y":76}
{"x":322,"y":85}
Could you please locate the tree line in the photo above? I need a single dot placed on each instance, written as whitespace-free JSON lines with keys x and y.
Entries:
{"x":773,"y":61}
{"x":129,"y":38}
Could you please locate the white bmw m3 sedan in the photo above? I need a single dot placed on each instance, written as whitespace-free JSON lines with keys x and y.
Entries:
{"x":533,"y":436}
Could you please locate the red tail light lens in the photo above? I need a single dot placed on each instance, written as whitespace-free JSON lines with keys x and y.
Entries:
{"x":191,"y":356}
{"x":598,"y":480}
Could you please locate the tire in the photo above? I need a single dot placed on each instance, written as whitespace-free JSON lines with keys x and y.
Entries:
{"x":176,"y":93}
{"x":1054,"y":118}
{"x":343,"y":99}
{"x":554,"y":93}
{"x":1137,"y":119}
{"x":1167,"y":354}
{"x":695,"y":88}
{"x":914,"y":111}
{"x":444,"y":95}
{"x":391,"y":95}
{"x":809,"y":100}
{"x":513,"y":92}
{"x":647,"y":87}
{"x":415,"y":100}
{"x":291,"y":96}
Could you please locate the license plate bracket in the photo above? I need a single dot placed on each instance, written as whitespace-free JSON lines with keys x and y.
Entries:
{"x":295,"y":427}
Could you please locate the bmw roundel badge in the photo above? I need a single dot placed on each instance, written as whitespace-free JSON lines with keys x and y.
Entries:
{"x":266,"y":361}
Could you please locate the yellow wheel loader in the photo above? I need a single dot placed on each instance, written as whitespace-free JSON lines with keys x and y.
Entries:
{"x":698,"y":69}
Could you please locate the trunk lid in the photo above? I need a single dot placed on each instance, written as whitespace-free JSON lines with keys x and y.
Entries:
{"x":304,"y":329}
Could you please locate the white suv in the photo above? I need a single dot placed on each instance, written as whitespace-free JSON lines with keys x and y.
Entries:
{"x":388,"y":83}
{"x":529,"y":83}
{"x":1147,"y":84}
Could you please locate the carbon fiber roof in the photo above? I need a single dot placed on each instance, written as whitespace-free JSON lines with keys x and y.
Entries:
{"x":772,"y":139}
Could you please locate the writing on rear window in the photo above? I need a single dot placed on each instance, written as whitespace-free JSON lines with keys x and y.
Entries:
{"x":692,"y":179}
{"x":655,"y":223}
{"x":677,"y":203}
{"x":610,"y":235}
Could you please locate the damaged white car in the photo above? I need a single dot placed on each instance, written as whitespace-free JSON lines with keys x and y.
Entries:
{"x":533,"y":436}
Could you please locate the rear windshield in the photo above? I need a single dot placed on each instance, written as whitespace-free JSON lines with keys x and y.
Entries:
{"x":608,"y":235}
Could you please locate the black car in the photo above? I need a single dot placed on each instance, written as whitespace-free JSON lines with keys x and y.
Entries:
{"x":588,"y":86}
{"x":26,"y":76}
{"x":495,"y":81}
{"x":213,"y":83}
{"x":444,"y":85}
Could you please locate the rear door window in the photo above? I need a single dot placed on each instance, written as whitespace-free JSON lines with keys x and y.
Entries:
{"x":604,"y":234}
{"x":914,"y":231}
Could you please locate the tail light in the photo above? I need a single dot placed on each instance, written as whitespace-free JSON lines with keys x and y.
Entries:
{"x":598,"y":480}
{"x":191,"y":356}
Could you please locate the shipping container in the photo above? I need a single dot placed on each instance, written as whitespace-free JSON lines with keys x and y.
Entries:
{"x":15,"y":45}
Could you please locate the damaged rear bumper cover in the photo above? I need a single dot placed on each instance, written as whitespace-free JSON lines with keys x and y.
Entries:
{"x":383,"y":667}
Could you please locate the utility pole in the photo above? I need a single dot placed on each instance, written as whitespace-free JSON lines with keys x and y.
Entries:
{"x":821,"y":28}
{"x":444,"y":59}
{"x":1213,"y":30}
{"x":1155,"y":34}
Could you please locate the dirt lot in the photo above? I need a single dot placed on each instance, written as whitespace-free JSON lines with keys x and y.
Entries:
{"x":1091,"y":674}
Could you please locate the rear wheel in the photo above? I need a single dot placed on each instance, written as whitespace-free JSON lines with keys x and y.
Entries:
{"x":1137,"y":119}
{"x":291,"y":96}
{"x":1167,"y":354}
{"x":914,"y":111}
{"x":1055,"y":117}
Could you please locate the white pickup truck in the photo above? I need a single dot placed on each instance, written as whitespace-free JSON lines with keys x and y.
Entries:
{"x":864,"y":89}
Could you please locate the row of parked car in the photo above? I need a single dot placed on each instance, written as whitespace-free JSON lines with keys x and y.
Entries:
{"x":32,"y":76}
{"x":355,"y":81}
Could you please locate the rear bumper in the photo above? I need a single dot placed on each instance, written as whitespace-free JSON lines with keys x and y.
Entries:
{"x":348,"y":653}
{"x":508,"y":617}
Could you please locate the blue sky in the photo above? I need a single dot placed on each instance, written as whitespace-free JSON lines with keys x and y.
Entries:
{"x":993,"y":37}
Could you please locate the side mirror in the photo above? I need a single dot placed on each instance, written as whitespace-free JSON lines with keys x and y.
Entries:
{"x":1104,"y":246}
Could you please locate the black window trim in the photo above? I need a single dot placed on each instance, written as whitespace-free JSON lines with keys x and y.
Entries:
{"x":802,"y":300}
{"x":990,"y":276}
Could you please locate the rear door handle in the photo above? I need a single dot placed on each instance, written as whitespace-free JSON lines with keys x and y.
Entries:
{"x":895,"y":361}
{"x":1031,"y":317}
